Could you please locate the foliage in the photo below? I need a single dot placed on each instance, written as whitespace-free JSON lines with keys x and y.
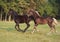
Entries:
{"x":52,"y":7}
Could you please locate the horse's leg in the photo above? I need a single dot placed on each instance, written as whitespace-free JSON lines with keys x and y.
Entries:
{"x":35,"y":28}
{"x":28,"y":25}
{"x":52,"y":28}
{"x":51,"y":31}
{"x":17,"y":27}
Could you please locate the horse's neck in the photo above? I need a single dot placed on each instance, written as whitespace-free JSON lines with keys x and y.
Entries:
{"x":36,"y":15}
{"x":15,"y":14}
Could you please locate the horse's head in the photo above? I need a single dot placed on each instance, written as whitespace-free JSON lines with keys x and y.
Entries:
{"x":10,"y":12}
{"x":30,"y":14}
{"x":34,"y":14}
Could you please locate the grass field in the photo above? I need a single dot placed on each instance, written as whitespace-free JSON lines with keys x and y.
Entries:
{"x":9,"y":34}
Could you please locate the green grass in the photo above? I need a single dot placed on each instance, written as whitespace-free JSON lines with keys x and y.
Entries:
{"x":9,"y":34}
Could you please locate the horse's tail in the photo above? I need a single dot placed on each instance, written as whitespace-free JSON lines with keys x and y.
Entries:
{"x":55,"y":22}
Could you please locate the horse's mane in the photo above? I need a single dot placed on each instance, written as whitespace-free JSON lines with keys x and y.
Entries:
{"x":14,"y":12}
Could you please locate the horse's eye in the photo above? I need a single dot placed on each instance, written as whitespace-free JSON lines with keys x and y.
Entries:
{"x":10,"y":11}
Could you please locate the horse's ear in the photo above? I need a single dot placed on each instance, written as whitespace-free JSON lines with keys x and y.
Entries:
{"x":10,"y":9}
{"x":9,"y":12}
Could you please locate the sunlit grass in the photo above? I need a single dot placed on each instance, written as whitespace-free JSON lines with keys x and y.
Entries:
{"x":9,"y":34}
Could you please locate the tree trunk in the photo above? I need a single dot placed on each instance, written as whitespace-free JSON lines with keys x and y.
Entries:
{"x":32,"y":4}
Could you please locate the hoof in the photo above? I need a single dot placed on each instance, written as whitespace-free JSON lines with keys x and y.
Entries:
{"x":24,"y":31}
{"x":37,"y":30}
{"x":31,"y":32}
{"x":49,"y":33}
{"x":20,"y":30}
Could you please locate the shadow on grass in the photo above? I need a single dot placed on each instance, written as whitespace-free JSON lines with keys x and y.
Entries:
{"x":8,"y":29}
{"x":13,"y":29}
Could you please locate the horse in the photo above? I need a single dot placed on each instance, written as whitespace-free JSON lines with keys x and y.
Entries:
{"x":41,"y":20}
{"x":19,"y":19}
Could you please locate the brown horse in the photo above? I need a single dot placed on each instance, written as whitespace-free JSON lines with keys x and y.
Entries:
{"x":41,"y":20}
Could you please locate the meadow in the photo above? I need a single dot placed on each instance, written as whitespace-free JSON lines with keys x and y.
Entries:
{"x":9,"y":34}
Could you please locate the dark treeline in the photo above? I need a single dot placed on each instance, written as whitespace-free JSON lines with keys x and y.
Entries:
{"x":44,"y":7}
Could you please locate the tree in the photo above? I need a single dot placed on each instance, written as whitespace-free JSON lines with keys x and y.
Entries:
{"x":52,"y":7}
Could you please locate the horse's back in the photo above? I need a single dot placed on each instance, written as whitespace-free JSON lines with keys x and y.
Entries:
{"x":42,"y":20}
{"x":21,"y":18}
